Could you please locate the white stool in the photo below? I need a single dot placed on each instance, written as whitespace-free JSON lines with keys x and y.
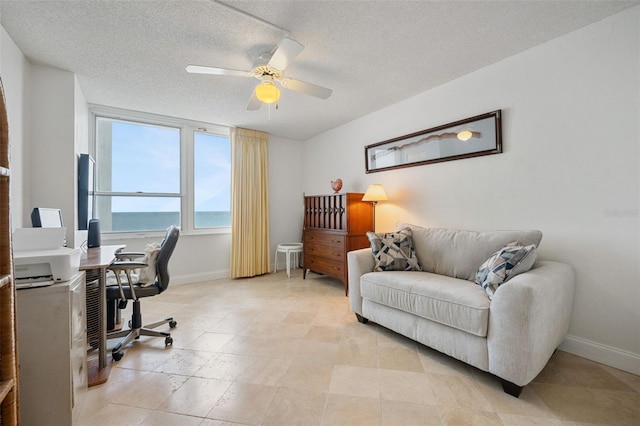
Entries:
{"x":288,"y":249}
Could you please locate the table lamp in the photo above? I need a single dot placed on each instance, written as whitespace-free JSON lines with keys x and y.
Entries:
{"x":374,"y":194}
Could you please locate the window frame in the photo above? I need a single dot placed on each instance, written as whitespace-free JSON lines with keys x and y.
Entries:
{"x":187,"y":129}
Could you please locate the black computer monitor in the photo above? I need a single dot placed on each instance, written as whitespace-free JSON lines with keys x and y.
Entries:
{"x":44,"y":217}
{"x":85,"y":190}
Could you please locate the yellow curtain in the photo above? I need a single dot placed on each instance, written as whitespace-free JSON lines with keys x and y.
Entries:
{"x":249,"y":203}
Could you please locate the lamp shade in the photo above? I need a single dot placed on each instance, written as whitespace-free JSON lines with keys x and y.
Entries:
{"x":374,"y":193}
{"x":267,"y":92}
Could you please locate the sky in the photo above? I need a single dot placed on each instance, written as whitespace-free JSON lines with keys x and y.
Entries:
{"x":146,"y":158}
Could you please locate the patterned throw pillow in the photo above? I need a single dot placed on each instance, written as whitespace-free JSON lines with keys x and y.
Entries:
{"x":503,"y":265}
{"x":394,"y":251}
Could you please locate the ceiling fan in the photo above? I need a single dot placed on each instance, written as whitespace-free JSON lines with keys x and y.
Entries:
{"x":270,"y":70}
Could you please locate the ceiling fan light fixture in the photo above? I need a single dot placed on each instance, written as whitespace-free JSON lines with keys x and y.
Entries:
{"x":267,"y":92}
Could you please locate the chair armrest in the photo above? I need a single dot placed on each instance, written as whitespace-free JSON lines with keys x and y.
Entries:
{"x":126,"y":267}
{"x":129,"y":255}
{"x":529,"y":318}
{"x":359,"y":262}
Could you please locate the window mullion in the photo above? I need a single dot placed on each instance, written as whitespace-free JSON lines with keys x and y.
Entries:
{"x":186,"y":177}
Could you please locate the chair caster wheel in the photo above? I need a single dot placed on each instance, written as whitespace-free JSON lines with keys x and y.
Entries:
{"x":168,"y":341}
{"x":172,"y":324}
{"x":117,"y":356}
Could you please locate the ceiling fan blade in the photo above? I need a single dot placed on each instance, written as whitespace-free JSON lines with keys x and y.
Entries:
{"x":254,"y":102}
{"x":285,"y":53}
{"x":199,"y":69}
{"x":308,"y":88}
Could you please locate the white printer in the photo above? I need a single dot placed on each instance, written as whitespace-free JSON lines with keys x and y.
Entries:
{"x":39,"y":258}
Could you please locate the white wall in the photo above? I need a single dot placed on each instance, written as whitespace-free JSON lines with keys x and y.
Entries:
{"x":48,"y":125}
{"x":52,"y":160}
{"x":81,"y":145}
{"x":16,"y":82}
{"x":570,"y":167}
{"x":285,"y":193}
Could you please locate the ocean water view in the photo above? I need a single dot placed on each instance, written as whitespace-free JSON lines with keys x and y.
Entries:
{"x":153,"y":221}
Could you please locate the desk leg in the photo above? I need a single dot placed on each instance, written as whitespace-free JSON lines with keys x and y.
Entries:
{"x":98,"y":368}
{"x":102,"y":327}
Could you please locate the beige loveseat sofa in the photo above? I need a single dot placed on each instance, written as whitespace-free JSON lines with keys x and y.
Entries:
{"x":511,"y":335}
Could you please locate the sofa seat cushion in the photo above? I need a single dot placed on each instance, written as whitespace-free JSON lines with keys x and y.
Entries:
{"x":449,"y":301}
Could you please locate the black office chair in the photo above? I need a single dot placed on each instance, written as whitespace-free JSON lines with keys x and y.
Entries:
{"x":130,"y":290}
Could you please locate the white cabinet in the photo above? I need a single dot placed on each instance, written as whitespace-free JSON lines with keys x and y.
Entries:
{"x":52,"y":352}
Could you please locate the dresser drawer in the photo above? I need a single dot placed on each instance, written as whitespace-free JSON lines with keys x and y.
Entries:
{"x":325,"y":266}
{"x":321,"y":250}
{"x":327,"y":238}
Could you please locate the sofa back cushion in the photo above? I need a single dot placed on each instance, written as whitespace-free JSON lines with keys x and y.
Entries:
{"x":459,"y":254}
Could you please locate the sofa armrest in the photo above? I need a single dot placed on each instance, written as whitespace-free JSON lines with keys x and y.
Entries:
{"x":528,"y":320}
{"x":359,"y":262}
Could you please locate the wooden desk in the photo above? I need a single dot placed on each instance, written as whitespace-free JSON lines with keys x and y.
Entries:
{"x":95,"y":262}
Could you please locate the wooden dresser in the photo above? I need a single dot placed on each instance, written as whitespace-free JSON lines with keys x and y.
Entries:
{"x":334,"y":225}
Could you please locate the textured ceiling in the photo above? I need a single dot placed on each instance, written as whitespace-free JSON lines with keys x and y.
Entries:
{"x":132,"y":54}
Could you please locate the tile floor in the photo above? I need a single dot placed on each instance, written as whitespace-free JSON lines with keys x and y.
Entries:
{"x":274,"y":350}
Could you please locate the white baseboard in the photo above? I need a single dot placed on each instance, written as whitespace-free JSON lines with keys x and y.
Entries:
{"x":608,"y":355}
{"x":196,"y":278}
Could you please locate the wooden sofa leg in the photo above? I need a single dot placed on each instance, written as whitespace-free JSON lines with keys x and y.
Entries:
{"x":362,"y":319}
{"x":511,"y":388}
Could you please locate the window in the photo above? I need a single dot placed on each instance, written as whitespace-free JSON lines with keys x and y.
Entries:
{"x":153,"y":172}
{"x":211,"y":180}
